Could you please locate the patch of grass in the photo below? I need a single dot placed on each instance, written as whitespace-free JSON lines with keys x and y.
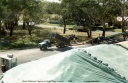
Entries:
{"x":21,"y":39}
{"x":50,"y":24}
{"x":5,"y":45}
{"x":117,"y":30}
{"x":70,"y":26}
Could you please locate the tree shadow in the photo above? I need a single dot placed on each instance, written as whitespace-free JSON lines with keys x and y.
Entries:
{"x":47,"y":49}
{"x":57,"y":49}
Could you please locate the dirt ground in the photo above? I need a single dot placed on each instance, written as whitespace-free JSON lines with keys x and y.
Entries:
{"x":125,"y":43}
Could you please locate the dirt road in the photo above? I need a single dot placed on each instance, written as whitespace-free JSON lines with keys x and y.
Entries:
{"x":28,"y":55}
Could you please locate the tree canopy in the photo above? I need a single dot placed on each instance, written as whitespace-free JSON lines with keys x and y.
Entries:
{"x":86,"y":13}
{"x":89,"y":12}
{"x":12,"y":10}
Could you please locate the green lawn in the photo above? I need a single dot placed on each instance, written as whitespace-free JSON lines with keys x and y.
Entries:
{"x":50,"y":24}
{"x":21,"y":39}
{"x":117,"y":30}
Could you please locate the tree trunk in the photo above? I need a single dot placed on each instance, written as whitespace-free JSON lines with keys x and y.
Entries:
{"x":11,"y":29}
{"x":124,"y":36}
{"x":23,"y":25}
{"x":16,"y":22}
{"x":6,"y":25}
{"x":64,"y":31}
{"x":104,"y":29}
{"x":29,"y":32}
{"x":27,"y":23}
{"x":30,"y":28}
{"x":11,"y":32}
{"x":0,"y":25}
{"x":123,"y":30}
{"x":90,"y":33}
{"x":103,"y":34}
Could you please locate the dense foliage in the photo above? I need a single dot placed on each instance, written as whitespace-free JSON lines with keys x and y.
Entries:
{"x":88,"y":13}
{"x":13,"y":10}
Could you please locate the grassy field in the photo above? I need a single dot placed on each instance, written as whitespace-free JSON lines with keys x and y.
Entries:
{"x":21,"y":39}
{"x":118,"y":30}
{"x":67,"y":26}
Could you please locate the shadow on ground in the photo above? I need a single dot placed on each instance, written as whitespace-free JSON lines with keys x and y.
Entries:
{"x":63,"y":49}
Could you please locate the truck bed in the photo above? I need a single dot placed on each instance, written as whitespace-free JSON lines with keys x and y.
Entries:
{"x":58,"y":38}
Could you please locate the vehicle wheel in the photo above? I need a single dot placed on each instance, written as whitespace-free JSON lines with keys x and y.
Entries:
{"x":40,"y":48}
{"x":61,"y":45}
{"x":44,"y":47}
{"x":57,"y":46}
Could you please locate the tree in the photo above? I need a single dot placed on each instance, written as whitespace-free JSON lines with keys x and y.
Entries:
{"x":82,"y":12}
{"x":11,"y":13}
{"x":31,"y":11}
{"x":11,"y":10}
{"x":52,"y":7}
{"x":124,"y":13}
{"x":65,"y":13}
{"x":108,"y":10}
{"x":60,"y":9}
{"x":1,"y":14}
{"x":88,"y":12}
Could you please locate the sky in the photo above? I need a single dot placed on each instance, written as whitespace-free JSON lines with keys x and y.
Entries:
{"x":53,"y":0}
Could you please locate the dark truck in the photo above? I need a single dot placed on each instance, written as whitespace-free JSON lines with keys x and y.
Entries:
{"x":45,"y":44}
{"x":58,"y":39}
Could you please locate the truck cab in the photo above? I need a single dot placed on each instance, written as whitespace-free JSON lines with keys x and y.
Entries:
{"x":45,"y":44}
